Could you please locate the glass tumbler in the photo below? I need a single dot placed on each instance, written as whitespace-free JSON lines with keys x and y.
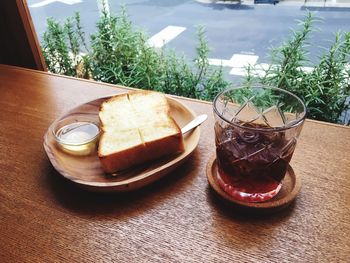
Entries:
{"x":256,"y":131}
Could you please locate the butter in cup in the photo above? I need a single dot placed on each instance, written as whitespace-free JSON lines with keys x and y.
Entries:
{"x":78,"y":137}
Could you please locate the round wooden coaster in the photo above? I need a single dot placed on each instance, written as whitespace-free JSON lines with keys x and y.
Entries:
{"x":290,"y":188}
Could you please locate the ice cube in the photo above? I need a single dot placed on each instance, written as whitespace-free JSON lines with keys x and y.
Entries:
{"x":290,"y":117}
{"x":227,"y":134}
{"x":274,"y":117}
{"x":231,"y":149}
{"x":260,"y":121}
{"x":247,"y":113}
{"x":288,"y":149}
{"x":228,"y":113}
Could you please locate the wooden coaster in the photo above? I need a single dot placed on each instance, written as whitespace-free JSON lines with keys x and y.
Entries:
{"x":290,"y":188}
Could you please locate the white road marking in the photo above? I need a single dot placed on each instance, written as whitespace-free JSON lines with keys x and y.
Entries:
{"x":165,"y":36}
{"x":47,"y":2}
{"x":238,"y":71}
{"x":241,"y":61}
{"x":220,"y":62}
{"x":238,"y":63}
{"x":307,"y":69}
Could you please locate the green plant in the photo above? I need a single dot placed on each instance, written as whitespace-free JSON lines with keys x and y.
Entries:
{"x":62,"y":49}
{"x":195,"y":81}
{"x":56,"y":50}
{"x":325,"y":88}
{"x":120,"y":54}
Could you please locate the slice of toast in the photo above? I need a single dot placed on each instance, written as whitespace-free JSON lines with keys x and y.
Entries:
{"x":136,"y":128}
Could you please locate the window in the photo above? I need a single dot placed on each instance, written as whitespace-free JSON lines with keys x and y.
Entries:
{"x":240,"y":35}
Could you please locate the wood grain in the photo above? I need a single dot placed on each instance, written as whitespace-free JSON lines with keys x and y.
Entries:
{"x":46,"y":218}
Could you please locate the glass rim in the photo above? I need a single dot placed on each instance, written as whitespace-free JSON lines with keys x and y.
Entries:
{"x":54,"y":131}
{"x":291,"y":124}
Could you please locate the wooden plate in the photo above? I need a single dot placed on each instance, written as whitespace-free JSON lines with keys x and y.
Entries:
{"x":290,"y":188}
{"x":87,"y":171}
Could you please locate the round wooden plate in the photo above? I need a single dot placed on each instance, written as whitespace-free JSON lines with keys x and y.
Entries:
{"x":290,"y":188}
{"x":87,"y":171}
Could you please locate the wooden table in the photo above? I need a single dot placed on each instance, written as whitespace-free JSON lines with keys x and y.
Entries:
{"x":45,"y":218}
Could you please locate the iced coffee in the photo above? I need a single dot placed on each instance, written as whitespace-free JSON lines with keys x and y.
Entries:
{"x":255,"y":138}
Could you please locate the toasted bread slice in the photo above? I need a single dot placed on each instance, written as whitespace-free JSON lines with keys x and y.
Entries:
{"x":136,"y":128}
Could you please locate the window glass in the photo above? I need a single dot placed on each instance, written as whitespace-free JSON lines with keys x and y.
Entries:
{"x":242,"y":37}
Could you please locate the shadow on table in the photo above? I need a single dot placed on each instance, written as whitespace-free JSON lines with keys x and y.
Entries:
{"x":252,"y":231}
{"x":119,"y":205}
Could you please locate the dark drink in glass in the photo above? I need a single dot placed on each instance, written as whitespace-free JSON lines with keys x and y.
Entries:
{"x":254,"y":144}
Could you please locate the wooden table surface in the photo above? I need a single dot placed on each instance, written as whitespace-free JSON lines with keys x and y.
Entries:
{"x":45,"y":218}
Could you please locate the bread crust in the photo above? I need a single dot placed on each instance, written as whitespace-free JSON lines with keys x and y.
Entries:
{"x":154,"y":109}
{"x":123,"y":159}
